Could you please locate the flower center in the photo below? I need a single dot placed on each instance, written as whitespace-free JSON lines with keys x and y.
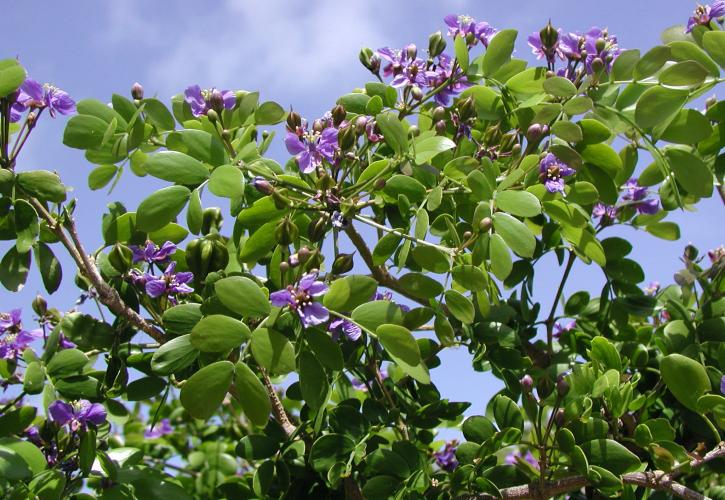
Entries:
{"x":553,"y":173}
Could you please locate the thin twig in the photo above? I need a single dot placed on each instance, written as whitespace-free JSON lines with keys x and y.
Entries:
{"x":277,"y":409}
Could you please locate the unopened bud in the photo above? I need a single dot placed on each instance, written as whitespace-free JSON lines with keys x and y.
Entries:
{"x":440,"y":127}
{"x":691,"y":252}
{"x":294,"y":260}
{"x":318,"y":126}
{"x":211,"y":220}
{"x":343,"y":263}
{"x":467,"y":108}
{"x":467,"y":235}
{"x":212,"y":115}
{"x":40,"y":306}
{"x":485,"y":225}
{"x":216,"y":101}
{"x":436,"y":44}
{"x":516,"y":149}
{"x":600,"y":44}
{"x":562,"y":386}
{"x":315,"y":261}
{"x":316,"y":230}
{"x":226,"y":134}
{"x":534,"y":132}
{"x":492,"y":135}
{"x":360,"y":124}
{"x":338,"y":115}
{"x":413,"y":131}
{"x":439,"y":113}
{"x":597,"y":65}
{"x":286,"y":231}
{"x":416,"y":93}
{"x":137,"y":91}
{"x":549,"y":36}
{"x":120,"y":257}
{"x":304,"y":254}
{"x":710,"y":102}
{"x":280,"y":201}
{"x":370,"y":60}
{"x":262,"y":185}
{"x":560,"y":417}
{"x":294,"y":120}
{"x":380,"y":183}
{"x":527,"y":383}
{"x":411,"y":51}
{"x":346,"y":137}
{"x":284,"y":266}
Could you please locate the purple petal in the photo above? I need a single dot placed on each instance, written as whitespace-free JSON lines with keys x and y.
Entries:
{"x":553,"y":186}
{"x":294,"y":145}
{"x":230,"y":99}
{"x":313,"y":314}
{"x":305,"y":162}
{"x":281,"y":298}
{"x":184,"y":277}
{"x":60,"y":412}
{"x":156,"y":288}
{"x":30,"y":91}
{"x":94,"y":413}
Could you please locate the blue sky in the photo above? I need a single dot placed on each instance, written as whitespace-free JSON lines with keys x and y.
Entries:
{"x":301,"y":54}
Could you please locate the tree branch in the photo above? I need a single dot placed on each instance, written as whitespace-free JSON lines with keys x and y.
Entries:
{"x":277,"y":409}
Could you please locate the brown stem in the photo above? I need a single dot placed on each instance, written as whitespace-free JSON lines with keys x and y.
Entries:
{"x":380,"y":273}
{"x":106,"y":294}
{"x":277,"y":409}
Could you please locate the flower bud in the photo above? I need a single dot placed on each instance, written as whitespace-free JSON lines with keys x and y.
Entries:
{"x":120,"y":257}
{"x":485,"y":225}
{"x":380,"y":183}
{"x":411,"y":51}
{"x":562,"y":386}
{"x":315,"y":261}
{"x":226,"y":134}
{"x":294,"y":260}
{"x":597,"y":65}
{"x":212,"y":115}
{"x":286,"y":231}
{"x":507,"y":141}
{"x":343,"y":263}
{"x":691,"y":252}
{"x":416,"y":93}
{"x":439,"y":113}
{"x":338,"y":115}
{"x":262,"y":185}
{"x":549,"y":36}
{"x":516,"y":149}
{"x":467,"y":108}
{"x":710,"y":102}
{"x":436,"y":44}
{"x":316,"y":230}
{"x":370,"y":60}
{"x":527,"y":383}
{"x":318,"y":126}
{"x":40,"y":306}
{"x":346,"y":137}
{"x":137,"y":91}
{"x":211,"y":220}
{"x":413,"y":131}
{"x":216,"y":101}
{"x":294,"y":120}
{"x":600,"y":44}
{"x":360,"y":124}
{"x":283,"y":266}
{"x":560,"y":417}
{"x":534,"y":132}
{"x":440,"y":127}
{"x":492,"y":135}
{"x":467,"y":235}
{"x":280,"y":201}
{"x":304,"y":254}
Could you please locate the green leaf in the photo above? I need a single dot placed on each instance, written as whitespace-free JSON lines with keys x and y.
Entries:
{"x":372,"y":171}
{"x":259,"y":244}
{"x":651,"y":62}
{"x":12,"y":465}
{"x":688,"y":127}
{"x":67,"y":362}
{"x":198,"y":144}
{"x":686,"y":379}
{"x":176,"y":167}
{"x":345,"y":294}
{"x":14,"y":269}
{"x":658,"y":105}
{"x":158,"y":115}
{"x":559,"y":86}
{"x":501,"y":264}
{"x":84,"y":132}
{"x":181,"y":319}
{"x":393,"y":131}
{"x":431,"y":259}
{"x":174,"y":355}
{"x":610,"y":455}
{"x":227,"y":181}
{"x":714,"y":43}
{"x":313,"y":381}
{"x":594,"y":131}
{"x":688,"y":51}
{"x":567,"y":130}
{"x":252,"y":395}
{"x":273,"y":351}
{"x":355,"y":102}
{"x":515,"y":233}
{"x":603,"y":351}
{"x":460,"y":48}
{"x":219,"y":333}
{"x":428,"y":147}
{"x":603,"y":156}
{"x":469,"y":277}
{"x":12,"y":76}
{"x":488,"y":102}
{"x":578,"y":105}
{"x":42,"y":184}
{"x":256,"y":446}
{"x":161,"y":208}
{"x":665,"y":230}
{"x":16,"y":421}
{"x":325,"y":348}
{"x":684,"y":74}
{"x":520,"y":203}
{"x":269,"y":113}
{"x":195,"y":213}
{"x":691,"y":172}
{"x":145,"y":388}
{"x":377,"y":312}
{"x":477,"y":429}
{"x":330,"y":449}
{"x":101,"y":176}
{"x":403,"y":349}
{"x":499,"y":51}
{"x":408,"y":186}
{"x":26,"y":225}
{"x":26,"y":450}
{"x":624,"y":65}
{"x":243,"y":296}
{"x":586,"y":243}
{"x":420,"y":285}
{"x":507,"y":413}
{"x":460,"y":307}
{"x":33,"y":378}
{"x":204,"y":391}
{"x":50,"y":270}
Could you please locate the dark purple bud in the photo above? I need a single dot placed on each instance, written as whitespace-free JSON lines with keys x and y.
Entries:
{"x":560,"y":417}
{"x":40,"y":306}
{"x":360,"y":123}
{"x":216,"y":101}
{"x":485,"y":225}
{"x":294,"y":120}
{"x":343,"y":263}
{"x":416,"y":93}
{"x":338,"y":115}
{"x":562,"y":386}
{"x":318,"y":126}
{"x":527,"y":383}
{"x":304,"y":254}
{"x":436,"y":44}
{"x":440,"y":127}
{"x":380,"y":184}
{"x":137,"y":91}
{"x":439,"y":113}
{"x":411,"y":51}
{"x":534,"y":132}
{"x":262,"y":185}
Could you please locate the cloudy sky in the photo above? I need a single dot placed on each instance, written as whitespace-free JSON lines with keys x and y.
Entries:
{"x":298,"y":53}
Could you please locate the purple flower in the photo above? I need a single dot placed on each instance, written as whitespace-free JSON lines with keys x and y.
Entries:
{"x":542,"y":52}
{"x":652,"y":288}
{"x":389,"y":297}
{"x":338,"y":220}
{"x":412,"y":74}
{"x":514,"y":458}
{"x":348,"y":328}
{"x":600,"y":45}
{"x":361,"y":386}
{"x":571,"y":46}
{"x":440,"y":75}
{"x":77,"y":414}
{"x":152,"y":253}
{"x":162,"y":428}
{"x":716,"y":254}
{"x":13,"y":339}
{"x":703,"y":14}
{"x":446,"y":458}
{"x":552,"y":172}
{"x":34,"y":95}
{"x":201,"y":101}
{"x":168,"y":283}
{"x":606,"y":212}
{"x":722,"y":384}
{"x":299,"y":298}
{"x":559,"y":329}
{"x":636,"y":196}
{"x":395,"y":59}
{"x":469,"y":29}
{"x":310,"y":148}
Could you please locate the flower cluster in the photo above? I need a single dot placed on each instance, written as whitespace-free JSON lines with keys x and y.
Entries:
{"x":310,"y":147}
{"x":471,"y":30}
{"x":552,"y":172}
{"x":584,"y":53}
{"x":636,"y":197}
{"x":13,"y":338}
{"x":152,"y":253}
{"x":202,"y":101}
{"x":77,"y":415}
{"x":559,"y":329}
{"x":167,"y":284}
{"x":446,"y":458}
{"x":300,"y":298}
{"x":704,"y":14}
{"x":33,"y":95}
